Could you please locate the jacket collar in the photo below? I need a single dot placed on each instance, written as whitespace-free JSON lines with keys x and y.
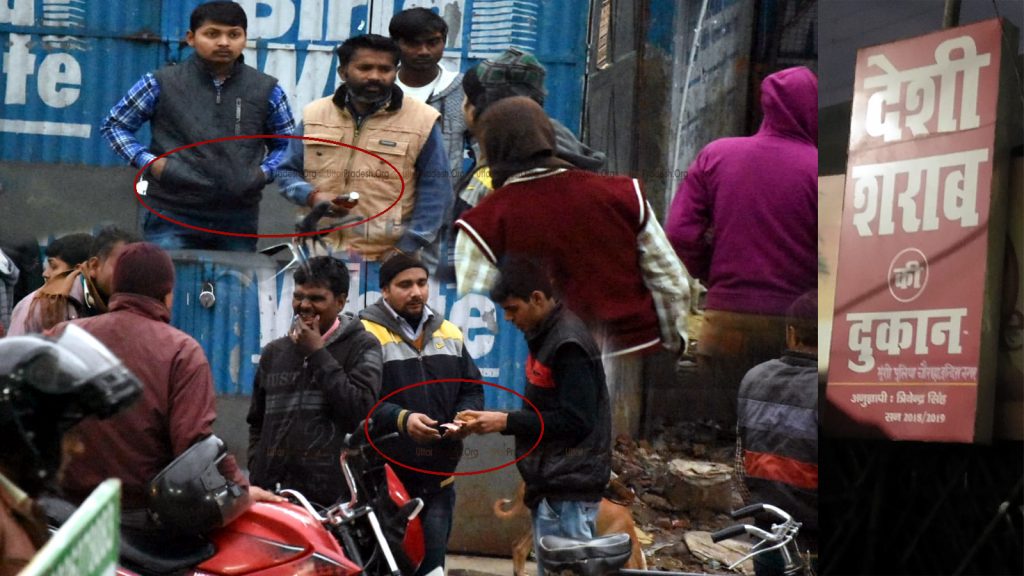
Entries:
{"x":380,"y":313}
{"x":142,"y":305}
{"x":535,"y":338}
{"x":797,"y":358}
{"x":201,"y":64}
{"x":348,"y":323}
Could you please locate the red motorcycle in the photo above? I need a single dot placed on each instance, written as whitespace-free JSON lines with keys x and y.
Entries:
{"x":375,"y":532}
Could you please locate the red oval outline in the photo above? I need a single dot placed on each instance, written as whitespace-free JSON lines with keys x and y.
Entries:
{"x":138,"y":175}
{"x":366,"y":428}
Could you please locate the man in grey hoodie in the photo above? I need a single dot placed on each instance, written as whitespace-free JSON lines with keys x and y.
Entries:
{"x":421,"y":36}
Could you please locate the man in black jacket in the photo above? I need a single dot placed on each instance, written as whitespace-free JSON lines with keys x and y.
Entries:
{"x":567,"y":473}
{"x":312,"y":388}
{"x":420,"y":346}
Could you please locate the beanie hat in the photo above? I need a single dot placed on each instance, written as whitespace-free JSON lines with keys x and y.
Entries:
{"x":395,"y":266}
{"x":517,"y":71}
{"x":143,"y":268}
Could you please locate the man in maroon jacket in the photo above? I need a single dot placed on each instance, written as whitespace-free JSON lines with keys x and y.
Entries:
{"x":608,"y":256}
{"x":176,"y":408}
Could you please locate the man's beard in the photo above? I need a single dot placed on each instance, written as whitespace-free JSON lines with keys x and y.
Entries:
{"x":363,"y":97}
{"x":411,"y":318}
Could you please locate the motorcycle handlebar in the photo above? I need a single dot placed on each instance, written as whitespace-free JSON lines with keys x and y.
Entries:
{"x":309,"y":221}
{"x":358,"y":437}
{"x":728,"y":532}
{"x":761,"y":510}
{"x":752,"y":510}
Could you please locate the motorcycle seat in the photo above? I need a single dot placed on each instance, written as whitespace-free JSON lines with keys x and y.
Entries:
{"x":160,"y":554}
{"x":586,"y":557}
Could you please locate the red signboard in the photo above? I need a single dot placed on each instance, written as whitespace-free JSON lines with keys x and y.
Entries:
{"x":920,"y":220}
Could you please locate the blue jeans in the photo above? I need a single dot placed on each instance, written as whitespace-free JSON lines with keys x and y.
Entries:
{"x":565,"y":518}
{"x":436,"y":517}
{"x":171,"y":236}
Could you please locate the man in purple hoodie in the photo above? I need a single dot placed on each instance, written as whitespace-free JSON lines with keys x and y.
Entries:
{"x":744,"y":221}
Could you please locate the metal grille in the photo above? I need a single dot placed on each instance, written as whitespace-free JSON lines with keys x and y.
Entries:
{"x":911,"y":508}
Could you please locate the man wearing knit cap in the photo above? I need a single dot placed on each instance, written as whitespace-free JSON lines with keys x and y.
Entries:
{"x":418,"y":346}
{"x":176,"y":408}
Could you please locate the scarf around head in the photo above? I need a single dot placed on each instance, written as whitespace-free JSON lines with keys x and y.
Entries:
{"x":50,"y":304}
{"x":53,"y":299}
{"x":517,"y":136}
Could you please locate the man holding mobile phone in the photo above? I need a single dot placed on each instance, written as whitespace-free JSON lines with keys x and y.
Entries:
{"x":393,"y":154}
{"x":419,"y":346}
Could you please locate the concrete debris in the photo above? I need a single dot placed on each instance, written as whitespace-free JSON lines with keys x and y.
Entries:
{"x":723,"y":553}
{"x":696,"y":485}
{"x":683,"y":481}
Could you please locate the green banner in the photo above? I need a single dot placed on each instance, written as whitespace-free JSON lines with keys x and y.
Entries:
{"x":88,"y":544}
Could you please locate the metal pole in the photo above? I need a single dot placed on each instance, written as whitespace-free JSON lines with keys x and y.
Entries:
{"x":951,"y":18}
{"x":686,"y":92}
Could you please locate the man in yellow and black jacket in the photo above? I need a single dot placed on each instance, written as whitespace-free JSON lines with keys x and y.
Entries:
{"x":420,"y":346}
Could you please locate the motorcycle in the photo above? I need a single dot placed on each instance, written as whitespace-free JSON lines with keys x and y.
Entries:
{"x":376,"y":531}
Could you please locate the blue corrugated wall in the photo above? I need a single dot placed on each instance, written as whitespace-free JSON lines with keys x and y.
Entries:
{"x":253,"y":307}
{"x":67,"y":63}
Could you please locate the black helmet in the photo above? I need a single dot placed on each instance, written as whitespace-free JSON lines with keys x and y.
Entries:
{"x":191,"y":496}
{"x":47,"y":386}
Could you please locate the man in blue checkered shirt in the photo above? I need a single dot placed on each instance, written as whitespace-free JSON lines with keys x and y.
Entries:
{"x":195,"y":187}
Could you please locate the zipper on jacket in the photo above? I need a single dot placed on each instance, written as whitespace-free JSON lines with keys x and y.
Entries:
{"x":351,"y":156}
{"x":218,"y":94}
{"x":238,"y":116}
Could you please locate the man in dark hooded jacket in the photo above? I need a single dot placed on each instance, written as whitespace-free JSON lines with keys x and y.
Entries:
{"x":312,"y":388}
{"x":745,"y":222}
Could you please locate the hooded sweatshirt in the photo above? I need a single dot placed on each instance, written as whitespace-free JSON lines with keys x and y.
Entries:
{"x":744,"y":219}
{"x":446,"y":97}
{"x":302,"y":408}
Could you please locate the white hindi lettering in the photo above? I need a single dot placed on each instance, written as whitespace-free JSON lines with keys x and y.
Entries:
{"x":875,"y":195}
{"x":920,"y":101}
{"x":909,"y":276}
{"x":945,"y":373}
{"x":896,"y":332}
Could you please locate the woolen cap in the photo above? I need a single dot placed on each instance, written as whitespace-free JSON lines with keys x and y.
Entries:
{"x":396,"y":265}
{"x":514,"y":68}
{"x":143,"y":268}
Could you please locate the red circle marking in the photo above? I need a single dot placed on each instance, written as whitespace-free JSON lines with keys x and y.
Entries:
{"x":366,"y":428}
{"x":138,"y":175}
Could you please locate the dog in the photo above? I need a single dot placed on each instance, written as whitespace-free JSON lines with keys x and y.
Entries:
{"x":611,"y":518}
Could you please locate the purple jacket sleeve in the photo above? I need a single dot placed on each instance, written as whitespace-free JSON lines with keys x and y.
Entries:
{"x":689,"y":223}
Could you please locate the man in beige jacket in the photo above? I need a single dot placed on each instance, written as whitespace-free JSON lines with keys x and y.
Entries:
{"x":398,"y":164}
